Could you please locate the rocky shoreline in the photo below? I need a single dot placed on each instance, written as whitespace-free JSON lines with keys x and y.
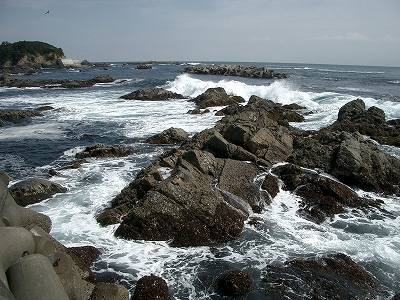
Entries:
{"x":203,"y":192}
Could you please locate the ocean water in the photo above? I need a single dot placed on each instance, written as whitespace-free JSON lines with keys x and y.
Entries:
{"x":97,"y":115}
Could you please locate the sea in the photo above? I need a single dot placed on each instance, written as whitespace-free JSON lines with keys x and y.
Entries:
{"x":81,"y":117}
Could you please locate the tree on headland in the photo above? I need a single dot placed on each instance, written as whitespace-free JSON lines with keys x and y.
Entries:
{"x":14,"y":52}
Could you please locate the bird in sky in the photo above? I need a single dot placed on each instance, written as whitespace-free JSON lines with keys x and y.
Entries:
{"x":47,"y":12}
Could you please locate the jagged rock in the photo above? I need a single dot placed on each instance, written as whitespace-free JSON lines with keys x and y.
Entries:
{"x":103,"y":150}
{"x":353,"y":117}
{"x":353,"y":159}
{"x":34,"y":190}
{"x":169,"y":136}
{"x":152,"y":94}
{"x":151,"y":287}
{"x":216,"y":97}
{"x":235,"y":282}
{"x":335,"y":276}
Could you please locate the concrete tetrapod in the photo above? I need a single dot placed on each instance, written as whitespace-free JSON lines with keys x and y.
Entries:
{"x":15,"y":242}
{"x":32,"y":277}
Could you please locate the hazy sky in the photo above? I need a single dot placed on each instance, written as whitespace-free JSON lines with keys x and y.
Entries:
{"x":360,"y":32}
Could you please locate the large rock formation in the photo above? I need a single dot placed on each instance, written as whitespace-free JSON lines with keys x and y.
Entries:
{"x":202,"y":192}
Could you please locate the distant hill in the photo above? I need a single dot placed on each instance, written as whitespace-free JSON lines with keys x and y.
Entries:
{"x":27,"y":53}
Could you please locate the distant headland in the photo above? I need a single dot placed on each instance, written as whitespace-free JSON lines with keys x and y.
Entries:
{"x":29,"y":56}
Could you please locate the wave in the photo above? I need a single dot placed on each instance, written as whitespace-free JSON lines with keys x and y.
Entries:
{"x":277,"y":91}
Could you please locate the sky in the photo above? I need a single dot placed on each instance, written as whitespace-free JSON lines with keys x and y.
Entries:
{"x":349,"y":32}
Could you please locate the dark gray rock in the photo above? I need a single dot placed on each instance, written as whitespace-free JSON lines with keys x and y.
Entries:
{"x":103,"y":150}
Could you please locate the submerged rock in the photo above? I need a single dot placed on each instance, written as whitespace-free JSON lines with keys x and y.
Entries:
{"x":234,"y":283}
{"x":332,"y":277}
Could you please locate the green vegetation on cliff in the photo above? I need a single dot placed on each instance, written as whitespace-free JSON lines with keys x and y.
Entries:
{"x":14,"y":52}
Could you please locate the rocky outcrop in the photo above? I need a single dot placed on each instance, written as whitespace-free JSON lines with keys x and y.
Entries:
{"x":332,"y":277}
{"x":143,"y":67}
{"x":216,"y":97}
{"x":202,"y":192}
{"x":13,"y":81}
{"x":103,"y":150}
{"x":353,"y":117}
{"x":235,"y":70}
{"x":152,"y":94}
{"x":235,"y":282}
{"x":34,"y":190}
{"x":169,"y":136}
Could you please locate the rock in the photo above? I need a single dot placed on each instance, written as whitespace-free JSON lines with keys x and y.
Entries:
{"x":151,"y":287}
{"x":12,"y":81}
{"x":234,"y":283}
{"x":103,"y":150}
{"x":152,"y":94}
{"x":169,"y":136}
{"x":235,"y":70}
{"x":34,"y":190}
{"x":143,"y":67}
{"x":322,"y":197}
{"x":110,"y":291}
{"x":14,"y":114}
{"x":353,"y":117}
{"x":216,"y":97}
{"x":12,"y":214}
{"x":335,"y":276}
